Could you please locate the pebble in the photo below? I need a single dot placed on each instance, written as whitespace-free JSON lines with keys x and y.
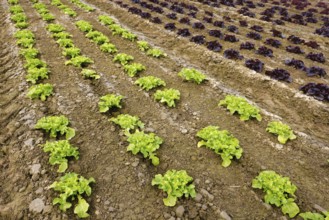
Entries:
{"x":39,"y":190}
{"x":207,"y":194}
{"x":224,"y":215}
{"x":319,"y":208}
{"x":135,"y":164}
{"x":204,"y":207}
{"x":47,"y":209}
{"x":111,"y":209}
{"x":98,"y":200}
{"x":172,"y":218}
{"x":184,"y":131}
{"x":28,"y":142}
{"x":107,"y":202}
{"x":180,"y":211}
{"x":198,"y":197}
{"x":37,"y":205}
{"x":35,"y":169}
{"x":166,"y":215}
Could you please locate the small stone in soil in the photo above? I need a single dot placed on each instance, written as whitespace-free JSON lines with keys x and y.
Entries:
{"x":37,"y":205}
{"x":180,"y":211}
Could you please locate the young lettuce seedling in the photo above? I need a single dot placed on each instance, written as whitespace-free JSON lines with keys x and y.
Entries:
{"x":29,"y":53}
{"x":128,"y":122}
{"x":314,"y":216}
{"x":25,"y":42}
{"x":147,"y":144}
{"x":55,"y":125}
{"x":15,"y":9}
{"x":24,"y":34}
{"x":241,"y":106}
{"x":128,"y":35}
{"x":149,"y":82}
{"x":143,"y":45}
{"x":105,"y":20}
{"x":168,"y":96}
{"x":71,"y":52}
{"x":65,"y":43}
{"x":192,"y":75}
{"x":108,"y":48}
{"x":40,"y":91}
{"x":109,"y":101}
{"x":133,"y":69}
{"x":34,"y":63}
{"x":277,"y":190}
{"x":71,"y":187}
{"x":62,"y":35}
{"x":155,"y":52}
{"x":79,"y":61}
{"x":123,"y":58}
{"x":34,"y":74}
{"x":175,"y":184}
{"x":222,"y":142}
{"x":90,"y":74}
{"x":55,"y":28}
{"x":59,"y":151}
{"x":84,"y":26}
{"x":283,"y":131}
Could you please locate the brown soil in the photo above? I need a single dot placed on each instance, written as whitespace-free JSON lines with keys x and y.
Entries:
{"x":123,"y":181}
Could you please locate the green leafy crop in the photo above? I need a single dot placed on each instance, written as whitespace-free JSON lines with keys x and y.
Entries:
{"x":155,"y":52}
{"x":93,"y":34}
{"x":149,"y":82}
{"x":24,"y":34}
{"x":109,"y":101}
{"x":21,"y":25}
{"x":143,"y":45}
{"x":123,"y":58}
{"x":68,"y":11}
{"x":61,"y":35}
{"x":168,"y":96}
{"x":241,"y":106}
{"x":147,"y":144}
{"x":192,"y":75}
{"x":133,"y":69}
{"x":91,"y":74}
{"x":59,"y":151}
{"x":55,"y":28}
{"x":283,"y":131}
{"x":29,"y":53}
{"x":277,"y":190}
{"x":175,"y":184}
{"x":40,"y":91}
{"x":34,"y":63}
{"x":25,"y":42}
{"x":48,"y":17}
{"x":34,"y":74}
{"x":84,"y":26}
{"x":65,"y":43}
{"x":222,"y":142}
{"x":71,"y":52}
{"x":128,"y":122}
{"x":108,"y":48}
{"x":116,"y":29}
{"x":314,"y":216}
{"x":55,"y":125}
{"x":13,"y":2}
{"x":19,"y":17}
{"x":128,"y":35}
{"x":79,"y":61}
{"x":105,"y":20}
{"x":101,"y":39}
{"x":15,"y":9}
{"x":72,"y":187}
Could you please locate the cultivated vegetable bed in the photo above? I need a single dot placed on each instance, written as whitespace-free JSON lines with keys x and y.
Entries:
{"x":161,"y":109}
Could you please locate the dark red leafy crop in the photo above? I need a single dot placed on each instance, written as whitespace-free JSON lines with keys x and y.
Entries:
{"x":215,"y":33}
{"x":232,"y":54}
{"x":156,"y":20}
{"x":145,"y":15}
{"x":324,"y":31}
{"x":255,"y":64}
{"x":198,"y":25}
{"x":219,"y":24}
{"x":279,"y":74}
{"x":254,"y":35}
{"x":318,"y":57}
{"x":257,"y":28}
{"x":232,"y":29}
{"x":277,"y":33}
{"x":207,"y":19}
{"x":247,"y":46}
{"x":172,"y":16}
{"x":184,"y":20}
{"x":294,"y":49}
{"x":273,"y":42}
{"x":315,"y":71}
{"x":312,"y":44}
{"x":230,"y":38}
{"x":170,"y":26}
{"x":243,"y":23}
{"x":319,"y":91}
{"x":298,"y":64}
{"x":183,"y":32}
{"x":266,"y":52}
{"x":295,"y":39}
{"x":214,"y":46}
{"x":198,"y":39}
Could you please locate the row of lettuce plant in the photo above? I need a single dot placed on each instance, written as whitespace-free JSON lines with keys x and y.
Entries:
{"x":71,"y":186}
{"x":35,"y":67}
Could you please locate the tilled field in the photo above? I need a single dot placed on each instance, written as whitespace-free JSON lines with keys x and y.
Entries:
{"x":123,"y":181}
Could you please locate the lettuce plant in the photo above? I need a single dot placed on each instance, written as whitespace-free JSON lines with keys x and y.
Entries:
{"x":15,"y":9}
{"x":278,"y":191}
{"x":21,"y":25}
{"x":40,"y":91}
{"x":91,"y":74}
{"x":34,"y":74}
{"x":25,"y":42}
{"x":143,"y":45}
{"x":71,"y":187}
{"x":48,"y":17}
{"x":105,"y":20}
{"x":116,"y":29}
{"x":109,"y":101}
{"x":93,"y":34}
{"x":168,"y":96}
{"x":128,"y":35}
{"x":55,"y":125}
{"x":101,"y":39}
{"x":241,"y":106}
{"x":19,"y":17}
{"x":13,"y":2}
{"x":147,"y":144}
{"x":79,"y":61}
{"x":24,"y":34}
{"x":314,"y":216}
{"x":59,"y":151}
{"x":128,"y":122}
{"x":222,"y":142}
{"x":123,"y":58}
{"x":55,"y":28}
{"x":133,"y":69}
{"x":175,"y":183}
{"x":84,"y":26}
{"x":65,"y":43}
{"x":108,"y":48}
{"x":283,"y":131}
{"x":29,"y":53}
{"x":193,"y":75}
{"x":155,"y":52}
{"x":149,"y":82}
{"x":68,"y":11}
{"x":34,"y":63}
{"x":61,"y":35}
{"x":71,"y":52}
